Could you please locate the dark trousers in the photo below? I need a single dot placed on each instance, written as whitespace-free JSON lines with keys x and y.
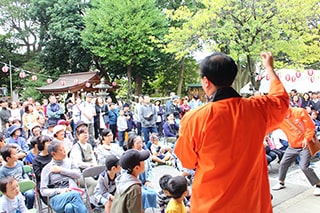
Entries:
{"x":113,"y":128}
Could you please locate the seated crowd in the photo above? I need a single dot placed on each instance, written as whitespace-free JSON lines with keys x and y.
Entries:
{"x":58,"y":150}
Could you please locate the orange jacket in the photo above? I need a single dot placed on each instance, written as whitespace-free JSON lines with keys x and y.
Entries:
{"x":222,"y":140}
{"x":300,"y":118}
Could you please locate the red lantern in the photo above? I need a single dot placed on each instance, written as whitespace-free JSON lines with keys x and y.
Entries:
{"x":312,"y":79}
{"x":298,"y":74}
{"x":22,"y":74}
{"x":293,"y":78}
{"x":114,"y":83}
{"x":62,"y":83}
{"x":287,"y":77}
{"x":310,"y":72}
{"x":5,"y":68}
{"x":259,"y":77}
{"x":76,"y":81}
{"x":34,"y":77}
{"x":49,"y":80}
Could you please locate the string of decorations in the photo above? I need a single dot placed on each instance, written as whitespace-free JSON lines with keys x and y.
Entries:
{"x":23,"y":73}
{"x":293,"y":78}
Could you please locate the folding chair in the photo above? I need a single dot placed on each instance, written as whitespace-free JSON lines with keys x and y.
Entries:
{"x":90,"y":172}
{"x":26,"y":185}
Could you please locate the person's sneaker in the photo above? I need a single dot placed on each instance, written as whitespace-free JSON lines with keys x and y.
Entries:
{"x":316,"y":191}
{"x":278,"y":186}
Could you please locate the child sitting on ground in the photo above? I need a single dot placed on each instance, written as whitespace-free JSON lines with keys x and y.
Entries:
{"x":12,"y":200}
{"x":160,"y":154}
{"x":178,"y":189}
{"x":128,"y":196}
{"x":106,"y":186}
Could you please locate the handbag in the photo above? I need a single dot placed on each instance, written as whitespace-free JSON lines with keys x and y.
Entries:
{"x":313,"y":144}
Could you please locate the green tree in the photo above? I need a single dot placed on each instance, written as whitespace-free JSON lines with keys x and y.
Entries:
{"x":123,"y":32}
{"x":14,"y":18}
{"x":245,"y":28}
{"x":61,"y":23}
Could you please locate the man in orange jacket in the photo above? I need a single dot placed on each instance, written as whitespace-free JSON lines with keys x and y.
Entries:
{"x":299,"y":128}
{"x":223,"y":140}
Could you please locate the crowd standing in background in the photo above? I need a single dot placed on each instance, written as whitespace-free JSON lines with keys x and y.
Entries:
{"x":59,"y":139}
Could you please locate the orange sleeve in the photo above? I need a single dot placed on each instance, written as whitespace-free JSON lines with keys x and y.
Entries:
{"x":308,"y":125}
{"x":185,"y":148}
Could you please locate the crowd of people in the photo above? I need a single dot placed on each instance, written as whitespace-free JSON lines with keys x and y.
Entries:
{"x":59,"y":140}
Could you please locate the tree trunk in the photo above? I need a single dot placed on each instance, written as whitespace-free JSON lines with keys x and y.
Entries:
{"x":129,"y":75}
{"x":252,"y":73}
{"x":181,"y":75}
{"x":138,"y":86}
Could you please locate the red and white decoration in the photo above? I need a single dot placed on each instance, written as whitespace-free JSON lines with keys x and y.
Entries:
{"x":49,"y":81}
{"x":22,"y":74}
{"x":114,"y":83}
{"x":34,"y":77}
{"x":62,"y":83}
{"x":88,"y":84}
{"x":5,"y":69}
{"x":310,"y":72}
{"x":76,"y":81}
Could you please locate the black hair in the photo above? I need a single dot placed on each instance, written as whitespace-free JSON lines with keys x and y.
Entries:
{"x":6,"y":151}
{"x":42,"y":139}
{"x":129,"y":144}
{"x":4,"y":181}
{"x":177,"y":186}
{"x":33,"y":142}
{"x":104,"y":133}
{"x":219,"y":68}
{"x":81,"y":129}
{"x":163,"y":181}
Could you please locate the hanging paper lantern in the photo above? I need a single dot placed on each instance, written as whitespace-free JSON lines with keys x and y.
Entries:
{"x":114,"y":83}
{"x":298,"y":74}
{"x":76,"y":81}
{"x":34,"y":77}
{"x":49,"y":80}
{"x":312,"y":79}
{"x":88,"y":84}
{"x":5,"y":68}
{"x":62,"y":83}
{"x":22,"y":74}
{"x":287,"y":77}
{"x":310,"y":72}
{"x":293,"y":78}
{"x":259,"y":77}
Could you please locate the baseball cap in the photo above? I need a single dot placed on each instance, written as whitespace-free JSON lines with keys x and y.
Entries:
{"x":131,"y":158}
{"x":111,"y":160}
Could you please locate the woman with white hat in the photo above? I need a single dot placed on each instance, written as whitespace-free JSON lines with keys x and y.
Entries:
{"x":59,"y":134}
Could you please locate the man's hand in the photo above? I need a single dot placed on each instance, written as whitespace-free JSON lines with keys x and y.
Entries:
{"x":55,"y":169}
{"x":304,"y":143}
{"x":267,"y":60}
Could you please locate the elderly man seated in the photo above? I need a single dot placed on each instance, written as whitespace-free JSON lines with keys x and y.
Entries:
{"x":58,"y":179}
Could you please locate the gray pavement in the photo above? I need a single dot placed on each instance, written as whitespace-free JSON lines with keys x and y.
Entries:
{"x":296,"y":197}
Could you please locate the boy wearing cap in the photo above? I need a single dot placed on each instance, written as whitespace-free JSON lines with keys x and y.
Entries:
{"x":106,"y":187}
{"x":128,"y":193}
